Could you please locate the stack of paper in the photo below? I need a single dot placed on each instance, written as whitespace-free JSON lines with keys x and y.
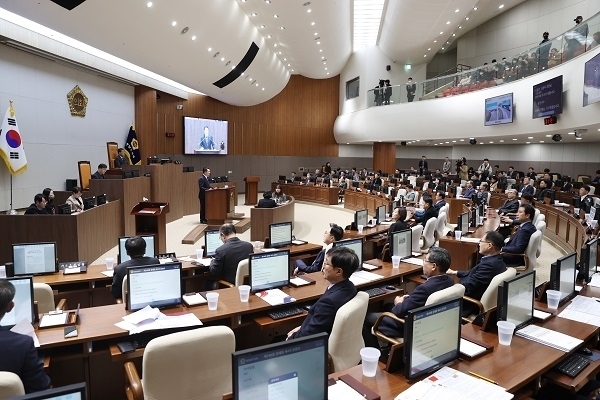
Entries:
{"x":275,"y":297}
{"x":149,"y":318}
{"x":549,"y":337}
{"x":583,"y":309}
{"x":361,"y":277}
{"x":414,"y":261}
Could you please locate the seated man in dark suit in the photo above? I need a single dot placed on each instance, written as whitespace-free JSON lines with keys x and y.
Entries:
{"x":435,"y":265}
{"x":430,"y":212}
{"x":526,"y":187}
{"x":340,"y":263}
{"x":511,"y":204}
{"x":541,"y":191}
{"x":227,"y":256}
{"x":439,"y":200}
{"x":586,"y":201}
{"x":136,"y":250}
{"x":333,"y":234}
{"x":470,"y":191}
{"x":520,"y":239}
{"x":38,"y":206}
{"x":121,"y":160}
{"x":267,"y":201}
{"x":477,"y":279}
{"x":512,"y":174}
{"x":101,"y":171}
{"x":19,"y":355}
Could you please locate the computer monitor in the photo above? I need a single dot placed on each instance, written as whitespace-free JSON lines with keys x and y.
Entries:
{"x":294,"y":369}
{"x":361,"y":217}
{"x":425,"y":349}
{"x":562,"y":276}
{"x":587,"y":260}
{"x":595,"y":213}
{"x":381,"y":213}
{"x":515,"y":299}
{"x":401,"y":243}
{"x":101,"y":199}
{"x":394,"y":180}
{"x":69,"y":392}
{"x":297,"y":179}
{"x":212,"y":241}
{"x":355,"y":184}
{"x":64,"y":209}
{"x":354,"y":244}
{"x":156,"y":285}
{"x":123,"y":256}
{"x":463,"y":222}
{"x":280,"y":234}
{"x":393,"y":206}
{"x":475,"y":216}
{"x":269,"y":270}
{"x":282,"y":178}
{"x":89,"y":202}
{"x":34,"y":258}
{"x":576,"y":202}
{"x":23,"y":309}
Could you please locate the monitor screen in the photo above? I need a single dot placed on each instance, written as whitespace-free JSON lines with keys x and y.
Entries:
{"x":547,"y":98}
{"x":101,"y":199}
{"x":212,"y":241}
{"x":588,"y":259}
{"x":34,"y":258}
{"x":591,"y":81}
{"x":361,"y":217}
{"x":280,"y":234}
{"x":381,"y":213}
{"x":123,"y":256}
{"x":499,"y":110}
{"x":294,"y":369}
{"x":204,"y":136}
{"x":592,"y":254}
{"x":64,"y":209}
{"x":425,"y":349}
{"x":69,"y":392}
{"x":515,"y":299}
{"x":401,"y":243}
{"x":595,"y":213}
{"x":562,"y":276}
{"x":23,"y":309}
{"x":354,"y":244}
{"x":154,"y":285}
{"x":463,"y":222}
{"x":89,"y":202}
{"x":393,"y":206}
{"x":269,"y":270}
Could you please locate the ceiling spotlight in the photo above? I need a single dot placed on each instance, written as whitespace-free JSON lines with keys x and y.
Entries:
{"x":253,"y":14}
{"x":174,"y":23}
{"x":578,"y":138}
{"x":312,"y":23}
{"x":316,"y":33}
{"x":282,"y":27}
{"x":501,"y":6}
{"x":263,"y":88}
{"x":475,"y":8}
{"x":275,"y":16}
{"x":429,"y":49}
{"x":514,"y":139}
{"x":309,"y":10}
{"x":222,"y":58}
{"x":262,"y":27}
{"x":284,"y":58}
{"x":473,"y":141}
{"x":149,"y":4}
{"x":448,"y":23}
{"x":441,"y":33}
{"x":210,"y":49}
{"x":184,"y":30}
{"x":527,"y":142}
{"x":279,"y":52}
{"x":457,"y":10}
{"x":269,"y":36}
{"x":194,"y":37}
{"x":530,"y":137}
{"x":557,"y":137}
{"x":467,"y":18}
{"x":442,"y":48}
{"x":435,"y":41}
{"x":274,"y":44}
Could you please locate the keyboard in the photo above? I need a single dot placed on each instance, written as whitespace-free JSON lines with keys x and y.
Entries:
{"x":573,"y":365}
{"x":285,"y":312}
{"x":375,"y":292}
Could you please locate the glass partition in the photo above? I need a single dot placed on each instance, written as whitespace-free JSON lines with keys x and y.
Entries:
{"x":584,"y":37}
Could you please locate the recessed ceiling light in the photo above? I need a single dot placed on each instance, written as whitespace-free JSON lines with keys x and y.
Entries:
{"x":282,"y":27}
{"x":320,"y":50}
{"x":471,"y":138}
{"x":435,"y":144}
{"x":435,"y":41}
{"x":441,"y":33}
{"x":598,"y":130}
{"x":570,"y":133}
{"x":448,"y":23}
{"x":275,"y":16}
{"x":454,"y":34}
{"x":292,"y":69}
{"x":210,"y":49}
{"x":447,"y":42}
{"x":578,"y":138}
{"x":318,"y":42}
{"x":514,"y":139}
{"x":253,"y":14}
{"x":527,"y":142}
{"x":312,"y":23}
{"x":442,"y":48}
{"x":322,"y":58}
{"x":263,"y":88}
{"x":222,"y":58}
{"x":475,"y":8}
{"x":457,"y":10}
{"x":149,"y":4}
{"x":262,"y":26}
{"x":467,"y":18}
{"x":454,"y":141}
{"x":541,"y":141}
{"x":174,"y":23}
{"x":249,"y":78}
{"x":284,"y":59}
{"x":289,"y":65}
{"x":530,"y":137}
{"x":268,"y":1}
{"x":316,"y":33}
{"x":447,"y":142}
{"x":425,"y":55}
{"x":280,"y":52}
{"x":501,"y":6}
{"x":328,"y":73}
{"x":548,"y":135}
{"x":325,"y":68}
{"x":269,"y":36}
{"x":501,"y":140}
{"x":462,"y":140}
{"x":274,"y":44}
{"x":460,"y":27}
{"x":309,"y":10}
{"x":429,"y":49}
{"x":256,"y":84}
{"x":194,"y":37}
{"x":233,"y":67}
{"x":490,"y":142}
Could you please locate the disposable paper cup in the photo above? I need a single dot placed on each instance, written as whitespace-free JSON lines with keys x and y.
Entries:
{"x":395,"y":261}
{"x":244,"y":293}
{"x":480,"y":220}
{"x":110,"y":262}
{"x":576,"y":212}
{"x":199,"y":253}
{"x":553,"y":297}
{"x":370,"y":358}
{"x":457,"y":234}
{"x":360,"y":228}
{"x":505,"y":332}
{"x":213,"y":300}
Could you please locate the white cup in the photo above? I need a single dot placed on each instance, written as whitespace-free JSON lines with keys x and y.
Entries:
{"x":556,"y":201}
{"x":213,"y":300}
{"x":553,"y":298}
{"x":395,"y":261}
{"x":505,"y":332}
{"x":199,"y":253}
{"x":360,"y":228}
{"x":576,"y":212}
{"x":370,"y":358}
{"x":457,"y":234}
{"x":110,"y":262}
{"x":480,"y":220}
{"x":244,"y":293}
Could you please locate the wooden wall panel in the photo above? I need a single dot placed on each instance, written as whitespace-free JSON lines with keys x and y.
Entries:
{"x":297,"y":122}
{"x":384,"y":156}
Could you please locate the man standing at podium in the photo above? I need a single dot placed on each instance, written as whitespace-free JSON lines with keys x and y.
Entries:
{"x":203,"y":186}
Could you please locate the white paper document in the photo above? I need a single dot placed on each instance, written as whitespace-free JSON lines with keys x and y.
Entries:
{"x":549,"y":337}
{"x":449,"y":384}
{"x":414,"y":261}
{"x":470,"y":240}
{"x":193,"y":299}
{"x":275,"y":297}
{"x":595,"y":282}
{"x":360,"y":277}
{"x":204,"y":261}
{"x":583,"y":309}
{"x":341,"y":391}
{"x":146,"y":313}
{"x":25,"y":328}
{"x":53,"y":320}
{"x":299,"y":282}
{"x":108,"y":273}
{"x":470,"y":349}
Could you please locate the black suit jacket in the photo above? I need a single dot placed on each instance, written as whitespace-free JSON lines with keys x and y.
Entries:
{"x":416,"y":299}
{"x":527,"y":189}
{"x":120,"y":161}
{"x":517,"y":244}
{"x":429,"y":213}
{"x":203,"y":186}
{"x":266,"y":203}
{"x":97,"y":175}
{"x":121,"y":270}
{"x":321,"y":315}
{"x":477,"y":279}
{"x":19,"y":356}
{"x":227,"y":256}
{"x":509,"y":206}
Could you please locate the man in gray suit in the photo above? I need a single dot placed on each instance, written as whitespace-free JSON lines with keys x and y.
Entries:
{"x":229,"y":254}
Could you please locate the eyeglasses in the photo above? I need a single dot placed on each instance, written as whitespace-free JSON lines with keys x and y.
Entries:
{"x":484,"y":241}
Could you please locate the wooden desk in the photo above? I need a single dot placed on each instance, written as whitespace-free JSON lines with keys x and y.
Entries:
{"x":262,"y":217}
{"x":165,"y":181}
{"x":354,"y":200}
{"x":311,"y":193}
{"x":387,"y":386}
{"x":79,"y":237}
{"x":455,"y":208}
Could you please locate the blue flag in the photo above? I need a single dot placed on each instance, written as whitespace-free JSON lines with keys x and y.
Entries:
{"x":132,"y":148}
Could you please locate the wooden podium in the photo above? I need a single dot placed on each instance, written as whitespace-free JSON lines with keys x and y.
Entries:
{"x":219,"y":203}
{"x":251,"y":190}
{"x":151,"y":219}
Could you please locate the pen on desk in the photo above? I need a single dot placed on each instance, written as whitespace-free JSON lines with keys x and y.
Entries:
{"x":483,"y":377}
